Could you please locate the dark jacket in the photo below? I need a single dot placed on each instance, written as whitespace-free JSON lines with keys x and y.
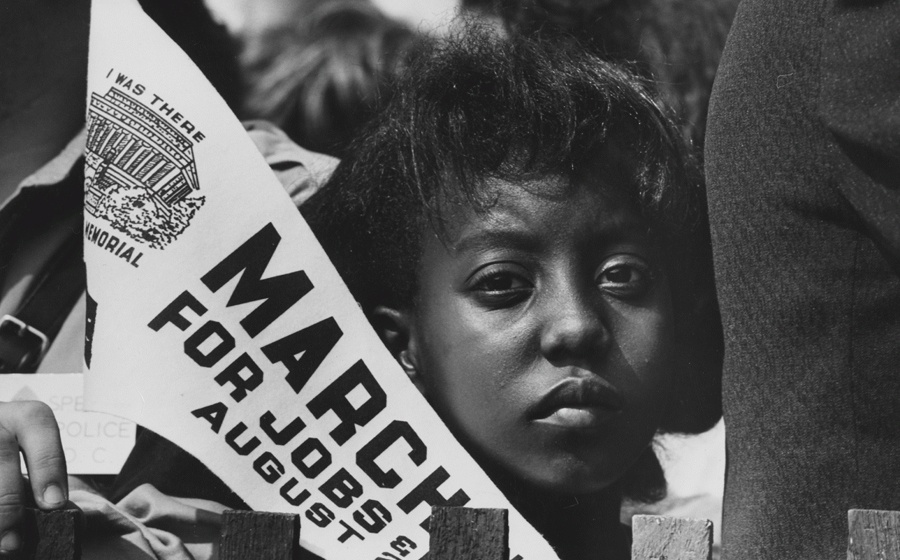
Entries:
{"x":803,"y":172}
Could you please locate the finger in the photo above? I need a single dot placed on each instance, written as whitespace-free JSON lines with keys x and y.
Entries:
{"x":12,"y":487}
{"x":34,"y":428}
{"x":38,"y":435}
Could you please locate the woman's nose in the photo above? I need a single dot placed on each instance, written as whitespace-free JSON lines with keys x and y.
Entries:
{"x":574,"y":332}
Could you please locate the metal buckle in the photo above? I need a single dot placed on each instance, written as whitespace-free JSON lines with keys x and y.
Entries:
{"x":25,"y":332}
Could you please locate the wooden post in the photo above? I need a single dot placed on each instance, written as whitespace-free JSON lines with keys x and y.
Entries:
{"x":256,"y":535}
{"x":53,"y":535}
{"x":873,"y":535}
{"x":671,"y":538}
{"x":467,"y":533}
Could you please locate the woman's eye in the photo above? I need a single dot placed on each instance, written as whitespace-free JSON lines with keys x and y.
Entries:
{"x":629,"y":279}
{"x":500,"y":288}
{"x":501,"y":282}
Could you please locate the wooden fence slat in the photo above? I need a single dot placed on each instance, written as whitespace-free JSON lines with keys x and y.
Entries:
{"x":671,"y":538}
{"x":53,"y":535}
{"x":873,"y":534}
{"x":456,"y":533}
{"x":257,"y":535}
{"x":468,"y":533}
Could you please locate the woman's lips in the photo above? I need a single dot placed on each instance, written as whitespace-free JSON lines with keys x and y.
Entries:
{"x":578,"y":418}
{"x":578,"y":403}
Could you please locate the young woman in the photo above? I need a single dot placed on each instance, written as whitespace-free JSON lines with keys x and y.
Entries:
{"x":523,"y":228}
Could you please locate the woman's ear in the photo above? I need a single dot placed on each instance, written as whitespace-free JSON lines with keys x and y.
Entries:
{"x":396,"y":329}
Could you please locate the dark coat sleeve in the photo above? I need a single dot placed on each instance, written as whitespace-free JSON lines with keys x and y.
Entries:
{"x":860,"y":106}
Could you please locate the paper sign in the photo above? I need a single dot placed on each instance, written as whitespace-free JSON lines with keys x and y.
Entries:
{"x":94,"y":443}
{"x":216,"y":320}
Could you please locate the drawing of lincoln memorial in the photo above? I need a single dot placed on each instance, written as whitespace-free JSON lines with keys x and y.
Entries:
{"x":130,"y":145}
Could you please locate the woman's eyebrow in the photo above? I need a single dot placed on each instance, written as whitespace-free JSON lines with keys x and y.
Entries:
{"x":616,"y":230}
{"x":492,"y":238}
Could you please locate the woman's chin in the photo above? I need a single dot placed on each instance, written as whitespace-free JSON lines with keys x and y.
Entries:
{"x":570,"y":480}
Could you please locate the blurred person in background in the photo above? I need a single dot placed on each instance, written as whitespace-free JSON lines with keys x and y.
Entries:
{"x":43,"y":72}
{"x":322,"y":78}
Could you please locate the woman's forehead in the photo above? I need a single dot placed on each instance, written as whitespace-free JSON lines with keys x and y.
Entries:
{"x":522,"y":213}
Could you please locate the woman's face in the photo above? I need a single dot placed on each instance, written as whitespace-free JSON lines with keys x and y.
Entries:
{"x":541,"y":334}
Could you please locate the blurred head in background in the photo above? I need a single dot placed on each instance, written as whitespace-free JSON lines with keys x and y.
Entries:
{"x":321,"y":78}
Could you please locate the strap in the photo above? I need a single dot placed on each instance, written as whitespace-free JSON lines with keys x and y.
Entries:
{"x":26,"y":336}
{"x":8,"y":223}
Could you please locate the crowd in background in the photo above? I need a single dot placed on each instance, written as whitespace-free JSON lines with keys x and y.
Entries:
{"x":319,"y":69}
{"x":800,"y":163}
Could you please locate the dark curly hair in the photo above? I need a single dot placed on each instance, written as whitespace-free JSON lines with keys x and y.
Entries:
{"x":479,"y":107}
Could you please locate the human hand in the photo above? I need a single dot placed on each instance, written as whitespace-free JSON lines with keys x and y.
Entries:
{"x":31,"y":427}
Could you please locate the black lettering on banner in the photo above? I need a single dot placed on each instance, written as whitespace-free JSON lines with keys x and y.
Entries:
{"x":266,"y":422}
{"x":427,"y":492}
{"x":90,"y":321}
{"x":314,"y":341}
{"x":127,"y":255}
{"x":320,"y":515}
{"x":268,"y":467}
{"x":242,"y":385}
{"x":403,"y":545}
{"x":307,"y":448}
{"x":234,"y":433}
{"x":250,"y":261}
{"x":366,"y":456}
{"x":341,"y":489}
{"x":372,"y":516}
{"x":334,"y":397}
{"x":293,"y":500}
{"x":222,"y":348}
{"x":349,"y":532}
{"x":214,"y":414}
{"x":172,"y":312}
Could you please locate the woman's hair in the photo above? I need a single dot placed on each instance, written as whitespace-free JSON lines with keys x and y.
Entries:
{"x":479,"y":107}
{"x":322,"y":79}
